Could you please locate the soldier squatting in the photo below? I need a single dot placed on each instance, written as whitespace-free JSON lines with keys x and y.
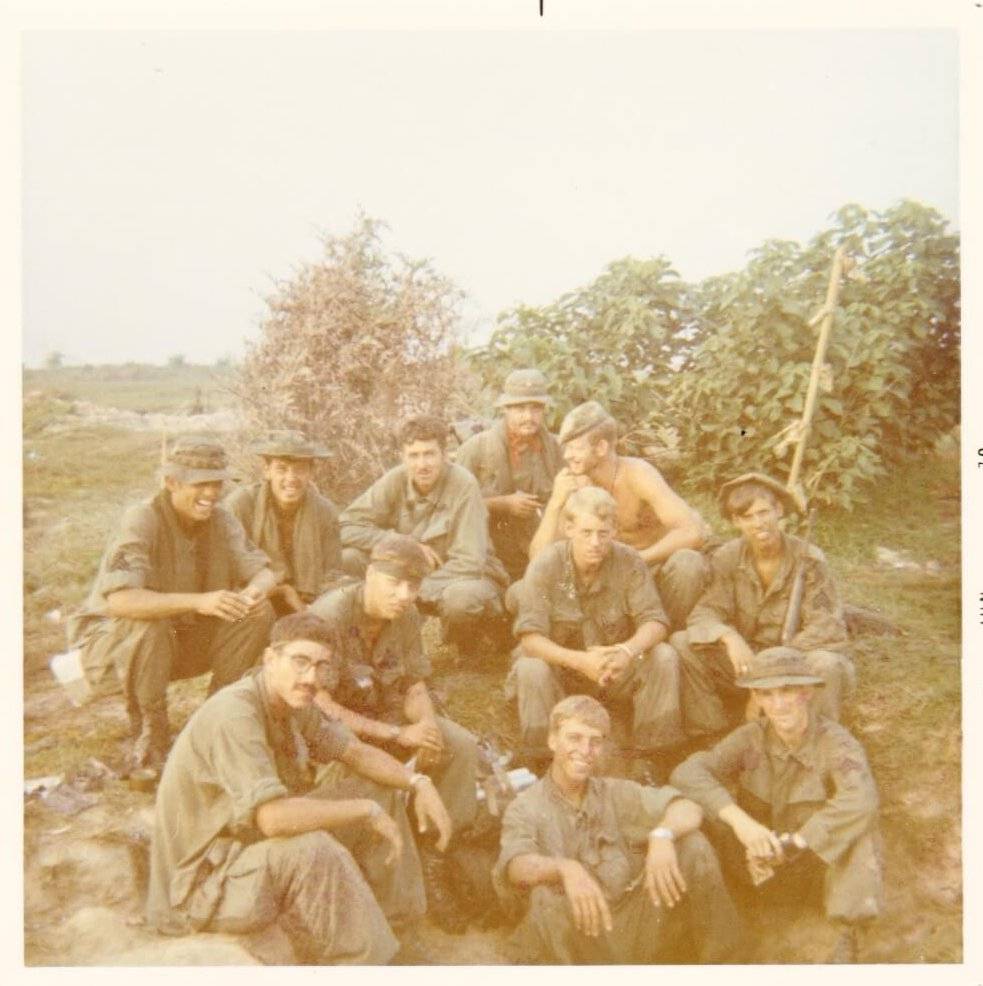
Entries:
{"x":320,"y":786}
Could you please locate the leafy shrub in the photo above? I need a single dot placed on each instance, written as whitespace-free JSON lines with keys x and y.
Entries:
{"x":350,"y":344}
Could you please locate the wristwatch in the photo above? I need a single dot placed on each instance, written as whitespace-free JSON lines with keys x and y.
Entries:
{"x":416,"y":779}
{"x":663,"y":833}
{"x":394,"y":732}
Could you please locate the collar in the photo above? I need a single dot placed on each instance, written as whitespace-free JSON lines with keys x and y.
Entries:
{"x":745,"y":561}
{"x":413,"y":496}
{"x":600,"y":579}
{"x":588,"y":807}
{"x":804,"y":754}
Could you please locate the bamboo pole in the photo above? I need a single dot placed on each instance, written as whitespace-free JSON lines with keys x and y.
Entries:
{"x":812,"y":394}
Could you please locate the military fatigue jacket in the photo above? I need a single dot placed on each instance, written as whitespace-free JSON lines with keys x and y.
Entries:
{"x":451,"y":519}
{"x":607,"y":834}
{"x":823,"y":789}
{"x":152,"y":550}
{"x":236,"y":753}
{"x":487,"y":456}
{"x":737,"y":600}
{"x":394,"y":660}
{"x":310,"y":558}
{"x":551,"y":601}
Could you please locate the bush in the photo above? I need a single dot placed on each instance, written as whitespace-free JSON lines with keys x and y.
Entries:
{"x":351,"y":344}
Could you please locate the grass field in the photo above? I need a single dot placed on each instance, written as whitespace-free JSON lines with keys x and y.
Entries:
{"x":907,"y":710}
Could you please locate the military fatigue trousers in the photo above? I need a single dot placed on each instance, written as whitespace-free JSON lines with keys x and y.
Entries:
{"x":681,"y":579}
{"x":147,"y":654}
{"x":651,"y":687}
{"x":312,"y":887}
{"x":398,"y":888}
{"x":642,"y":933}
{"x":711,"y":701}
{"x":848,"y":889}
{"x":456,"y":774}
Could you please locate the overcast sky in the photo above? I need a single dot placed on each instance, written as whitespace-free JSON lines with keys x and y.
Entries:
{"x":169,"y":177}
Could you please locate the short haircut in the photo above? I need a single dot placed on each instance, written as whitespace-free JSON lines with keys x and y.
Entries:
{"x":423,"y":428}
{"x":591,"y":500}
{"x":740,"y":498}
{"x":584,"y":708}
{"x":606,"y":431}
{"x":305,"y":626}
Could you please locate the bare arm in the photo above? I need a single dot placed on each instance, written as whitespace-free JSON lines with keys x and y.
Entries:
{"x":294,"y":816}
{"x":549,"y":527}
{"x":539,"y":645}
{"x":684,"y":526}
{"x":361,"y":725}
{"x":591,"y":911}
{"x":146,"y":604}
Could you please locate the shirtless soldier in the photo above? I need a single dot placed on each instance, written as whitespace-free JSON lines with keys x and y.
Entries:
{"x":652,"y":519}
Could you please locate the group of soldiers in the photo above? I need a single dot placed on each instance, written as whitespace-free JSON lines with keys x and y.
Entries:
{"x":286,"y":796}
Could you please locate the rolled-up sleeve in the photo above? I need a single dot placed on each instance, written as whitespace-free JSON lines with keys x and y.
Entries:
{"x":242,"y":764}
{"x":519,"y":838}
{"x":327,"y":738}
{"x":126,"y":563}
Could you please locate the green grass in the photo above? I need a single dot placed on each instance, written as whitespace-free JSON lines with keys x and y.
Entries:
{"x":135,"y":386}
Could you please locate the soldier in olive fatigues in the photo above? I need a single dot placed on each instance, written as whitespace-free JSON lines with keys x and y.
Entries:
{"x":383,"y":697}
{"x":243,"y":837}
{"x":589,"y":618}
{"x":795,"y":774}
{"x":605,"y":870}
{"x":289,"y":519}
{"x":439,"y":504}
{"x":515,"y":462}
{"x":180,"y":590}
{"x":740,"y":613}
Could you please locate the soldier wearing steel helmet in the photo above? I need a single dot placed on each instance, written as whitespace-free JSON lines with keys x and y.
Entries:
{"x":515,"y":462}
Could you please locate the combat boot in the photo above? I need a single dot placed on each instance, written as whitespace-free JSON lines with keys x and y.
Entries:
{"x":442,"y":907}
{"x":151,"y":745}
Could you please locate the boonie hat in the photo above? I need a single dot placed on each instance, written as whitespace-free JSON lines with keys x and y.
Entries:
{"x":582,"y":419}
{"x":401,"y":556}
{"x":195,"y":459}
{"x":781,"y":493}
{"x":776,"y":666}
{"x":523,"y":387}
{"x":289,"y":445}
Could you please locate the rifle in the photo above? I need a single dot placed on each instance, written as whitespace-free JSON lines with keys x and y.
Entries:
{"x":793,"y":614}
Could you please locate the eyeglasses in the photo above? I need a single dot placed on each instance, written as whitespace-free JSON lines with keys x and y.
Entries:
{"x":323,"y":670}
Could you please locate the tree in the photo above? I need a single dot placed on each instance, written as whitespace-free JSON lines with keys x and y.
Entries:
{"x":891,"y":383}
{"x":349,"y":345}
{"x":54,"y":360}
{"x":619,"y":340}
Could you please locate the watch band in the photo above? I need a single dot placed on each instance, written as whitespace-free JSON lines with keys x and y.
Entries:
{"x":416,"y":779}
{"x":663,"y":833}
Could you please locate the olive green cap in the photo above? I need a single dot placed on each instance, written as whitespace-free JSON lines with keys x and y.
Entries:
{"x":777,"y":666}
{"x":401,"y":556}
{"x":523,"y":387}
{"x":782,"y":494}
{"x":289,"y":445}
{"x":195,"y":459}
{"x":582,"y":419}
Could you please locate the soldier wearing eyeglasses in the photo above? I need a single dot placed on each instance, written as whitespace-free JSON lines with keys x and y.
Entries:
{"x":244,"y":836}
